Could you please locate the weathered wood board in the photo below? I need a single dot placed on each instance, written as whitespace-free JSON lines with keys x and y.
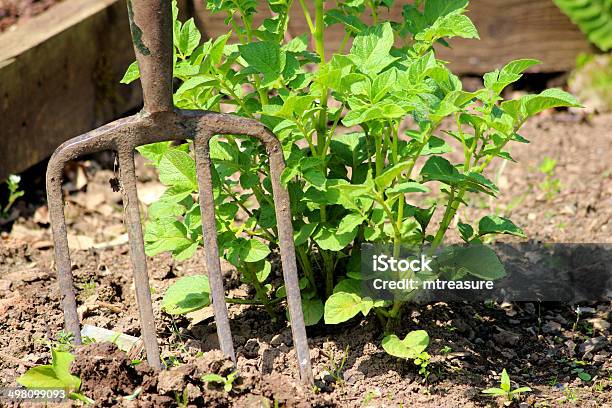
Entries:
{"x":509,"y":29}
{"x":59,"y":77}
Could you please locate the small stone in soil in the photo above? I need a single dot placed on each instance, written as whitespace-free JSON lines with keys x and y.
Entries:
{"x":593,"y":345}
{"x":551,"y":327}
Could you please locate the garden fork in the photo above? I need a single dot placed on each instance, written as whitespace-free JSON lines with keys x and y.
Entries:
{"x":151,"y":28}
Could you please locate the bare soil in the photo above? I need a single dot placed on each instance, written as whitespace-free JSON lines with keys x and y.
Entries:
{"x":540,"y":344}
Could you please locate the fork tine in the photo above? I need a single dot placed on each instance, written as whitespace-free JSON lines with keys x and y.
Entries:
{"x":209,"y":234}
{"x":218,"y":123}
{"x":287,"y":251}
{"x":137,"y":254}
{"x":55,"y":203}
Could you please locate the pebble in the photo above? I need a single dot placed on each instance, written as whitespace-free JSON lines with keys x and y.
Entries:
{"x":352,"y":376}
{"x":506,"y":338}
{"x":251,"y":348}
{"x":551,"y":327}
{"x":277,"y":340}
{"x":5,"y":285}
{"x":593,"y":345}
{"x":599,"y":324}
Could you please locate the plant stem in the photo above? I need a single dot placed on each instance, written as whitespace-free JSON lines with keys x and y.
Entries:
{"x":260,"y":291}
{"x":306,"y":266}
{"x":321,"y":127}
{"x":238,"y":301}
{"x":397,"y":239}
{"x":374,"y":13}
{"x":449,"y":213}
{"x":307,"y":16}
{"x":328,"y":268}
{"x":379,"y":155}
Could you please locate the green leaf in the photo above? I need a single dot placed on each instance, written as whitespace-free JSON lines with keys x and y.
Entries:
{"x":494,"y":391}
{"x":131,"y":74}
{"x":478,"y":260}
{"x":350,"y":22}
{"x":511,"y":72}
{"x":60,"y":362}
{"x":263,"y":273}
{"x":381,"y":110}
{"x":165,"y":209}
{"x":370,"y":50}
{"x":466,"y":231}
{"x":505,"y":381}
{"x":407,"y":187}
{"x":265,"y":58}
{"x":203,"y":81}
{"x":329,"y":239}
{"x":584,"y":376}
{"x":349,"y":286}
{"x":390,"y":174}
{"x":350,"y":222}
{"x":189,"y":38}
{"x":527,"y":389}
{"x":493,"y":224}
{"x":187,"y":294}
{"x":253,"y":250}
{"x":550,"y":98}
{"x":177,"y":168}
{"x":216,"y":378}
{"x":435,"y":9}
{"x":301,"y":237}
{"x":177,"y":193}
{"x":409,"y":348}
{"x":341,"y":307}
{"x":451,"y":25}
{"x":216,"y":50}
{"x":154,"y":151}
{"x":165,"y":234}
{"x":313,"y":311}
{"x":56,"y":375}
{"x":297,"y":44}
{"x":40,"y":377}
{"x":440,"y":169}
{"x":182,"y":254}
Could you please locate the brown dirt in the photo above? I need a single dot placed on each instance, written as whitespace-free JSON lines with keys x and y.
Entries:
{"x":537,"y":343}
{"x":14,"y":12}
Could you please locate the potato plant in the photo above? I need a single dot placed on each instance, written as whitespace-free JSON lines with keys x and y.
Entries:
{"x":365,"y":133}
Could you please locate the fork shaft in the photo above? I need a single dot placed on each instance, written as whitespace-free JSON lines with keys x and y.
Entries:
{"x":151,"y":27}
{"x":137,"y":254}
{"x":209,"y":234}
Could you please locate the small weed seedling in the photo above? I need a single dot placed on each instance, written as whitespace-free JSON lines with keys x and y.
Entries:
{"x":371,"y":395}
{"x":55,"y":375}
{"x":334,"y":368}
{"x":505,"y":389}
{"x":580,"y":371}
{"x":551,"y":186}
{"x":14,"y":193}
{"x":228,"y":382}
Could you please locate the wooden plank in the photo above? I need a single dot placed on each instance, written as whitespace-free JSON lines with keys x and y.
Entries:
{"x":509,"y":29}
{"x":59,"y":77}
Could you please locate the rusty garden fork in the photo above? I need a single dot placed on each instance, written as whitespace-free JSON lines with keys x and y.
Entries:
{"x":151,"y":28}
